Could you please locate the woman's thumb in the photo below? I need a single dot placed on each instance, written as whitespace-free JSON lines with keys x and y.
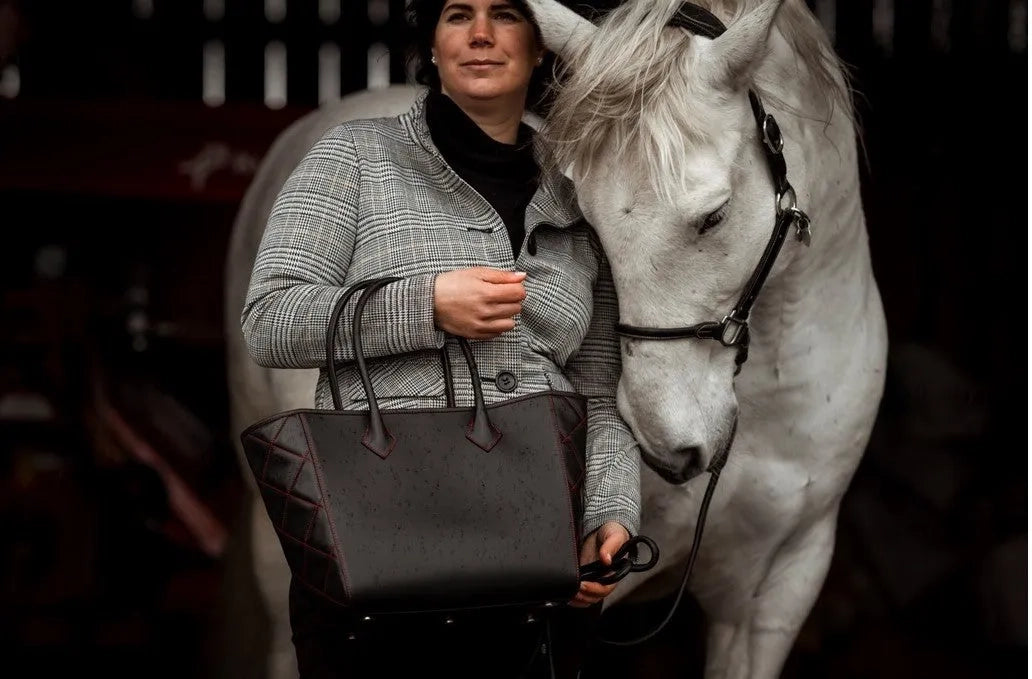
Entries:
{"x":611,"y":544}
{"x":612,"y":539}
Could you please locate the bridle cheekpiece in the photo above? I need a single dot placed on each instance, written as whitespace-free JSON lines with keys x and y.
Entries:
{"x":733,"y":329}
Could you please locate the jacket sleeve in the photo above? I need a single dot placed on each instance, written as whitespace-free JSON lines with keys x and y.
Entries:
{"x":612,"y":489}
{"x":301,"y":267}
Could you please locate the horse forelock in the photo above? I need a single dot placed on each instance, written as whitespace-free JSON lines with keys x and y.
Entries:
{"x":631,"y":93}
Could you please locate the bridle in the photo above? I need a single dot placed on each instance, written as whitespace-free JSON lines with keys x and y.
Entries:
{"x":733,"y":330}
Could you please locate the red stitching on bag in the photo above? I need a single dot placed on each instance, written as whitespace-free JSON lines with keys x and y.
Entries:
{"x":329,"y":517}
{"x":330,"y":562}
{"x":330,"y":557}
{"x":381,"y":454}
{"x":271,"y":444}
{"x":303,"y":543}
{"x":491,"y":445}
{"x":583,"y":422}
{"x":280,"y":491}
{"x":293,"y":483}
{"x":568,"y":438}
{"x":311,"y":524}
{"x":297,"y":474}
{"x":283,"y":517}
{"x":569,"y":502}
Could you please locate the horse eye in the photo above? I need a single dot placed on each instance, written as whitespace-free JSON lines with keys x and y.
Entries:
{"x":714,"y":218}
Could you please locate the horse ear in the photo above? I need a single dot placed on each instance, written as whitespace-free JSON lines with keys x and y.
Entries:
{"x":734,"y":56}
{"x":564,"y":31}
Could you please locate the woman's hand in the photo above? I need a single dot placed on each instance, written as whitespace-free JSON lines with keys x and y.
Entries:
{"x":478,"y":303}
{"x":601,"y":544}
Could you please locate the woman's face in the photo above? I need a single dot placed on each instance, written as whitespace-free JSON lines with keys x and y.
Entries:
{"x":485,"y":49}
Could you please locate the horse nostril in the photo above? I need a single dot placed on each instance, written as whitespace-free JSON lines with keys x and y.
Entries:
{"x":691,"y":461}
{"x":678,"y":466}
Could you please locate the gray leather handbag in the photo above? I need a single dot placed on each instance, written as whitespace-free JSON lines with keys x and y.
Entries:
{"x":433,"y":509}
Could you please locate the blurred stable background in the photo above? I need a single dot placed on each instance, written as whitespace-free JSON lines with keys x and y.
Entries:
{"x":129,"y":130}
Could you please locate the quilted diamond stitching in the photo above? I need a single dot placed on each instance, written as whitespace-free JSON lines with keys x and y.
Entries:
{"x":272,"y":447}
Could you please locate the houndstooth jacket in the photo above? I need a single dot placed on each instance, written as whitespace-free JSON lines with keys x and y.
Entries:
{"x":375,"y":198}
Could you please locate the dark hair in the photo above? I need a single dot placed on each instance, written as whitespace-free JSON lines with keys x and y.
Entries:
{"x":423,"y":16}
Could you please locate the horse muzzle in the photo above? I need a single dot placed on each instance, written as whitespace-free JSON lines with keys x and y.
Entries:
{"x":683,"y":466}
{"x":688,"y":462}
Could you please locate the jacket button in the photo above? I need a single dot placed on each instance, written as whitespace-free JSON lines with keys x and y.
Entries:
{"x":505,"y":381}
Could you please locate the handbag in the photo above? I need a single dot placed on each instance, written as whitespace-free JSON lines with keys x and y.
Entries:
{"x":387,"y":511}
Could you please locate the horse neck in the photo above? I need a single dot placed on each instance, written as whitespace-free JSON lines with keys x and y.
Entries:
{"x":826,"y":286}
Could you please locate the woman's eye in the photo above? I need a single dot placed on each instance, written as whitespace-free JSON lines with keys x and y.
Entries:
{"x":455,"y":17}
{"x":714,"y":218}
{"x":508,"y":17}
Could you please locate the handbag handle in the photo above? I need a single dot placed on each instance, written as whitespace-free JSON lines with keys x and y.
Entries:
{"x":378,"y":439}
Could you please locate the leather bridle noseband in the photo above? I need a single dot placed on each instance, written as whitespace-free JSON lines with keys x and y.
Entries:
{"x":733,"y":330}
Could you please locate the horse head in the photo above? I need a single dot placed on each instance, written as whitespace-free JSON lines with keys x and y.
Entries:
{"x":654,"y":124}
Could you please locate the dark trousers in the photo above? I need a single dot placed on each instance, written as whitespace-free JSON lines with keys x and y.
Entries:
{"x":486,"y":644}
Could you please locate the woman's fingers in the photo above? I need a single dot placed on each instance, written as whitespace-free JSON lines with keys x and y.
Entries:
{"x":478,"y":303}
{"x":496,"y":276}
{"x":490,"y":329}
{"x":591,"y":593}
{"x":497,"y":311}
{"x":596,"y":589}
{"x":500,"y":293}
{"x":496,"y":319}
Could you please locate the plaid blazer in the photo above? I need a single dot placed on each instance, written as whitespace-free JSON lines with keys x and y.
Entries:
{"x":375,"y":198}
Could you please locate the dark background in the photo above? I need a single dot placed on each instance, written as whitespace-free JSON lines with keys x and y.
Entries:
{"x":119,"y":489}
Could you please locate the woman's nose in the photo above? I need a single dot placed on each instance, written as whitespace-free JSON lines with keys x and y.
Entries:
{"x":481,"y":32}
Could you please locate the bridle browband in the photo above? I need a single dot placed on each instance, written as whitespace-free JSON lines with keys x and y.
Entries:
{"x":733,"y":330}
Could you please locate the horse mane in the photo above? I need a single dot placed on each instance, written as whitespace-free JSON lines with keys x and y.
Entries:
{"x":631,"y":88}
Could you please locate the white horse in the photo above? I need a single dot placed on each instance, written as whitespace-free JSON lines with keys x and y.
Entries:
{"x":654,"y":124}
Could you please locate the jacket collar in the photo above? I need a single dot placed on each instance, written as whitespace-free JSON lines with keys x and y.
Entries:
{"x":554,"y":202}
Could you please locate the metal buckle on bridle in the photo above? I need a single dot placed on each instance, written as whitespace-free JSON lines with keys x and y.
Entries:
{"x":798,"y":217}
{"x":772,"y":138}
{"x":779,"y":199}
{"x":736,"y":327}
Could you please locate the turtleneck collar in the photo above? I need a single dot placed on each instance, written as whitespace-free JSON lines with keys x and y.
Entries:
{"x":554,"y":203}
{"x":463,"y":144}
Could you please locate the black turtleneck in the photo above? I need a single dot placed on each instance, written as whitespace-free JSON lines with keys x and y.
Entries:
{"x":506,"y":175}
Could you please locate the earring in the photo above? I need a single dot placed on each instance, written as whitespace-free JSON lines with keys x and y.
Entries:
{"x":433,"y":59}
{"x":540,"y":60}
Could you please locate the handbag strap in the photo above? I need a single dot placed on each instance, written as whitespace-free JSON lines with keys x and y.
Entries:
{"x":449,"y":384}
{"x":332,"y":329}
{"x":480,"y":430}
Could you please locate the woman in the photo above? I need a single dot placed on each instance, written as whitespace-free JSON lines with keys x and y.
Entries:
{"x":450,"y":197}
